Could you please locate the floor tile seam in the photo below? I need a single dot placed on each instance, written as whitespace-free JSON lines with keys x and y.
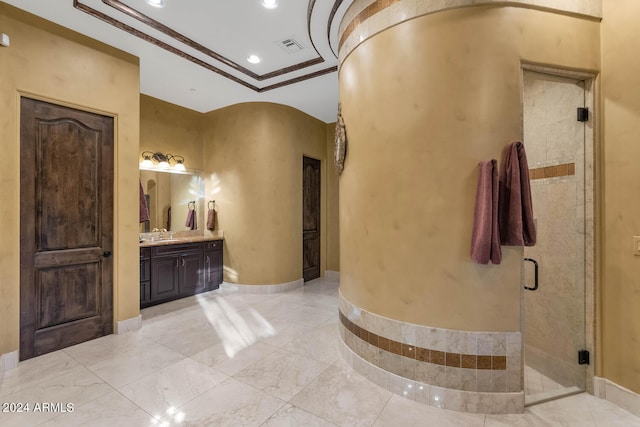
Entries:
{"x":7,"y":397}
{"x":134,"y":378}
{"x":76,"y":407}
{"x":377,"y":418}
{"x":40,"y":382}
{"x":264,"y":423}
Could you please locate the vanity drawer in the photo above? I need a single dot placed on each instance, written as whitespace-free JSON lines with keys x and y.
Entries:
{"x":180,"y":249}
{"x":213,"y":245}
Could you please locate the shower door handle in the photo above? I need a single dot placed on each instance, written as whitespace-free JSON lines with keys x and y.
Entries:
{"x":535,"y":274}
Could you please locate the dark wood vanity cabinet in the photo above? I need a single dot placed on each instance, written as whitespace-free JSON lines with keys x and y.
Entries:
{"x":212,"y":264}
{"x":180,"y":270}
{"x":145,"y":276}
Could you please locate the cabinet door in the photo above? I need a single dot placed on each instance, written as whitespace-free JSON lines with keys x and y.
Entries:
{"x":213,"y":269}
{"x":145,"y":293}
{"x":191,"y":274}
{"x":164,"y":278}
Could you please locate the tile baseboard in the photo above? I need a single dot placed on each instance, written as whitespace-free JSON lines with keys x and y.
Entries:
{"x":618,"y":395}
{"x":331,"y":275}
{"x":127,"y":325}
{"x":261,"y":289}
{"x":9,"y":361}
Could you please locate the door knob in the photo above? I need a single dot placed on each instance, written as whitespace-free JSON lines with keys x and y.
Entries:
{"x":106,"y":254}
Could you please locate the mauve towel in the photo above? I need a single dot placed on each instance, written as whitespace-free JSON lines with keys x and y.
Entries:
{"x":485,"y":239}
{"x":192,"y":220}
{"x":515,"y":210}
{"x":211,"y":219}
{"x":144,"y":209}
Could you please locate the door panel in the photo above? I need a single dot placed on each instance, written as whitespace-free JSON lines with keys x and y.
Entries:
{"x":66,"y":209}
{"x":191,"y":280}
{"x":310,"y":218}
{"x":164,"y":277}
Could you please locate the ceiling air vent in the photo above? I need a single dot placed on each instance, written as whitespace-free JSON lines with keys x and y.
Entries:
{"x":290,"y":45}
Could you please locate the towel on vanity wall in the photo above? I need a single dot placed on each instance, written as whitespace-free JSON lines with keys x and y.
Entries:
{"x":169,"y":218}
{"x":485,"y":238}
{"x":144,"y":209}
{"x":515,"y":210}
{"x":211,"y":219}
{"x":192,"y":220}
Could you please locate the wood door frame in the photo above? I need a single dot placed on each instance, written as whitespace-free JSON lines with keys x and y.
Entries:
{"x":20,"y":94}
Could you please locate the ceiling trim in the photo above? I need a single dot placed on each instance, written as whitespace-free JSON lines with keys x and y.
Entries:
{"x":332,"y":15}
{"x":133,"y":13}
{"x":159,"y":43}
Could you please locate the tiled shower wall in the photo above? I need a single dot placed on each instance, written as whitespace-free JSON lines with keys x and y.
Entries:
{"x":554,"y":325}
{"x":458,"y":370}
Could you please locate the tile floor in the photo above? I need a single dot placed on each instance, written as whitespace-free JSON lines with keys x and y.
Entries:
{"x":223,"y":359}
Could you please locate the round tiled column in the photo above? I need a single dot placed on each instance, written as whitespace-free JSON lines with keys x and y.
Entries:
{"x":426,"y":95}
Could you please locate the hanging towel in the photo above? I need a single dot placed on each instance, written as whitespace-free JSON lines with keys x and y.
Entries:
{"x":211,"y":219}
{"x":144,"y":209}
{"x":192,"y":220}
{"x":485,"y":238}
{"x":169,"y":219}
{"x":515,"y":210}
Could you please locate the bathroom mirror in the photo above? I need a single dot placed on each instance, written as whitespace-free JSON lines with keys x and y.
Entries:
{"x":170,"y":196}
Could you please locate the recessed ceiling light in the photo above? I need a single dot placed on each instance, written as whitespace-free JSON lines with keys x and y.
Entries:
{"x":270,"y":4}
{"x":254,"y":59}
{"x":156,"y":3}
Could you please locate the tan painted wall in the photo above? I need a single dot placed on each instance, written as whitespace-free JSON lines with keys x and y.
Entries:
{"x":168,"y":128}
{"x":423,"y":103}
{"x":58,"y":65}
{"x":621,"y":207}
{"x":333,"y":213}
{"x":253,"y":157}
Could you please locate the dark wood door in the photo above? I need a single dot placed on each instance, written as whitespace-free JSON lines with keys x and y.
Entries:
{"x":66,"y":227}
{"x":310,"y":218}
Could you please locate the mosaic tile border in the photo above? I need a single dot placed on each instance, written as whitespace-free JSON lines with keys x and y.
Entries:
{"x":439,"y":397}
{"x":565,"y":169}
{"x":365,"y":18}
{"x":456,"y":360}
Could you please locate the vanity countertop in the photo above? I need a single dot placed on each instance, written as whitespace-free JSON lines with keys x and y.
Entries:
{"x":178,"y":240}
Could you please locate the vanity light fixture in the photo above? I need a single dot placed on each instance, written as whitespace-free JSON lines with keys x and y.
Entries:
{"x":156,"y":3}
{"x":160,"y":161}
{"x":254,"y":59}
{"x":270,"y":4}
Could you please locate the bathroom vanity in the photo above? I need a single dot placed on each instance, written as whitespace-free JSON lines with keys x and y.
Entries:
{"x":176,"y":268}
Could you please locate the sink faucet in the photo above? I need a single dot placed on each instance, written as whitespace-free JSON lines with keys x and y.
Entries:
{"x":161,"y":231}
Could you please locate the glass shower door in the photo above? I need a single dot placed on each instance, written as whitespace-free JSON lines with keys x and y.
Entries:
{"x":554,"y":313}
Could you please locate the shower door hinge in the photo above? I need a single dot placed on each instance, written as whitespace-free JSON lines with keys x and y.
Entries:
{"x":583,"y":357}
{"x":583,"y":114}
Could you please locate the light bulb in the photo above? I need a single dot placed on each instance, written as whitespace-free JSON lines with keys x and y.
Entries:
{"x":270,"y":4}
{"x":156,"y":3}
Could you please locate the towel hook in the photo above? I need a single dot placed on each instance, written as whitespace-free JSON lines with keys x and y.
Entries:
{"x":212,"y":204}
{"x":192,"y":202}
